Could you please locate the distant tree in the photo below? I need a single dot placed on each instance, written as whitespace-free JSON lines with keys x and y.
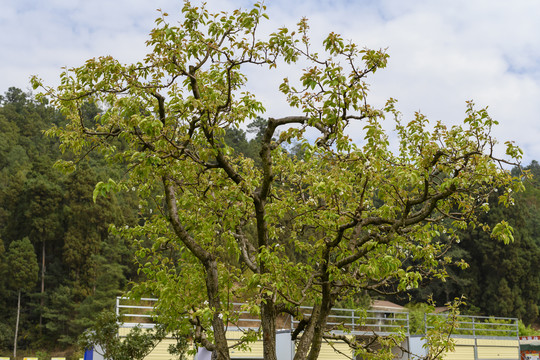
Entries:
{"x":22,"y":262}
{"x":58,"y":315}
{"x":6,"y":331}
{"x":42,"y":197}
{"x":257,"y":127}
{"x":104,"y":338}
{"x":344,"y":218}
{"x":108,"y":285}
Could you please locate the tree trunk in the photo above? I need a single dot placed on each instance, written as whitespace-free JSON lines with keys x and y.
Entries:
{"x":307,"y":336}
{"x":17,"y":325}
{"x":268,"y":323}
{"x":320,"y":325}
{"x":326,"y":306}
{"x":313,"y":334}
{"x":212,"y":288}
{"x":42,"y":300}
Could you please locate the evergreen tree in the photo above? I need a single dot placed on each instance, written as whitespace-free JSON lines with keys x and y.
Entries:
{"x":6,"y":331}
{"x":22,"y":262}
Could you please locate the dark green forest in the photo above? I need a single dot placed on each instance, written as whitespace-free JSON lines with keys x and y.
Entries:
{"x":80,"y":267}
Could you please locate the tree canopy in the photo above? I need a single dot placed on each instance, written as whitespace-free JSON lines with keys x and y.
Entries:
{"x":23,"y":266}
{"x":311,"y":228}
{"x":82,"y":267}
{"x":22,"y":262}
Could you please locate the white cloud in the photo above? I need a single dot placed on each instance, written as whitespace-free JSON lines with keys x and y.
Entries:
{"x":442,"y":52}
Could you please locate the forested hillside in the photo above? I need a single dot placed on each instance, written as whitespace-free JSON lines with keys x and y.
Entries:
{"x":80,"y":268}
{"x":502,"y":280}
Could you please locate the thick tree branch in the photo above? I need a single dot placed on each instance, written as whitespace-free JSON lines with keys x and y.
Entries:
{"x":161,"y":106}
{"x":197,"y":250}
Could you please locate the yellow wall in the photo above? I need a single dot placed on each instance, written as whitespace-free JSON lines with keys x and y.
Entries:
{"x":161,"y":351}
{"x":463,"y":341}
{"x":328,"y":352}
{"x":461,"y":352}
{"x":498,"y":349}
{"x":256,"y":349}
{"x":488,"y":349}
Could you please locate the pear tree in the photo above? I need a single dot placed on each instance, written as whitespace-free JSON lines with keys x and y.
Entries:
{"x":311,"y":228}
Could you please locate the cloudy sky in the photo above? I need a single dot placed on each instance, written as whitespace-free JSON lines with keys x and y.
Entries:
{"x":442,"y":53}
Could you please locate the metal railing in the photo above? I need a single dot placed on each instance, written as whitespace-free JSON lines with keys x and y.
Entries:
{"x":477,"y":326}
{"x":363,"y":322}
{"x":135,"y":312}
{"x":353,"y":321}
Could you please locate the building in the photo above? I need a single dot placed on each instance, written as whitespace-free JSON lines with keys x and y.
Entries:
{"x":475,"y":337}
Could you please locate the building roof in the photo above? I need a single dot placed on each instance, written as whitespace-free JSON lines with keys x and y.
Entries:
{"x":440,"y":309}
{"x":383,"y":305}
